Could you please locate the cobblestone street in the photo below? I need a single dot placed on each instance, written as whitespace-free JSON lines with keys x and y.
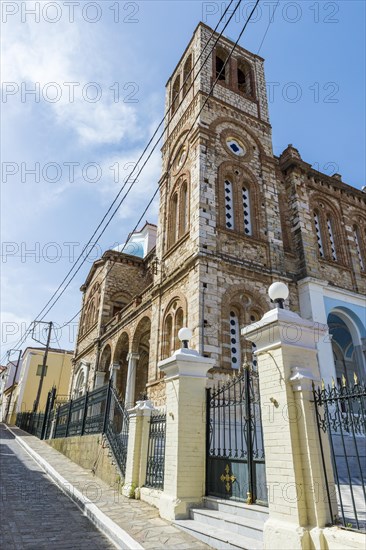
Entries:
{"x":34,"y":513}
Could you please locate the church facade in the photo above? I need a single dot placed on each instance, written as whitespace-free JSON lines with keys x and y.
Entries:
{"x":233,"y":218}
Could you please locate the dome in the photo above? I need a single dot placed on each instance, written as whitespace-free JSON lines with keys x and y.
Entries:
{"x":133,"y":248}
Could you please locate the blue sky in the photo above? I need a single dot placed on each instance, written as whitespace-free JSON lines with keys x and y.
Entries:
{"x":315,"y":69}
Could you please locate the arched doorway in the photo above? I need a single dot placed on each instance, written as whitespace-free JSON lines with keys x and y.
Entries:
{"x":138,"y":363}
{"x":120,"y":362}
{"x":142,"y":343}
{"x":346,"y":346}
{"x":105,"y":362}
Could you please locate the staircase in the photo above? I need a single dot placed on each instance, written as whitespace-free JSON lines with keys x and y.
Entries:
{"x":225,"y":524}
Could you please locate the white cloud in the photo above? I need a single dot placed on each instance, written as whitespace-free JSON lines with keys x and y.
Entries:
{"x":142,"y":189}
{"x":41,"y":54}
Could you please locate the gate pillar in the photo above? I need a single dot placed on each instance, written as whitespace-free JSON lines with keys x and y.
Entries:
{"x":297,"y":494}
{"x":185,"y":451}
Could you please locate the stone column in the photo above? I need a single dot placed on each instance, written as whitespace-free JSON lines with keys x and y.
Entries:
{"x":287,"y":365}
{"x":185,"y":447}
{"x":99,"y":379}
{"x":138,"y":438}
{"x":131,"y":379}
{"x":312,"y":307}
{"x":115,"y":368}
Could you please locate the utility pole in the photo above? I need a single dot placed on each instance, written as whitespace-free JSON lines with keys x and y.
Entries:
{"x":44,"y":364}
{"x":14,"y":378}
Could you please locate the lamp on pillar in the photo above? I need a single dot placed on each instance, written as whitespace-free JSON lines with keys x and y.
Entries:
{"x":184,"y":335}
{"x":278,"y":292}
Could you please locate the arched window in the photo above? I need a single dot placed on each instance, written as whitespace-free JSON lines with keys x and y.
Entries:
{"x":244,"y":79}
{"x":167,"y":336}
{"x":246,"y":211}
{"x":357,"y":238}
{"x":239,"y":309}
{"x":239,"y":200}
{"x":235,"y":340}
{"x":175,"y":94}
{"x":333,"y":251}
{"x":173,"y":321}
{"x":178,"y":324}
{"x":318,"y":234}
{"x":80,"y":384}
{"x":119,"y":302}
{"x":229,"y":205}
{"x":220,"y":69}
{"x":187,"y":74}
{"x":174,"y":219}
{"x":184,"y":208}
{"x":178,"y":211}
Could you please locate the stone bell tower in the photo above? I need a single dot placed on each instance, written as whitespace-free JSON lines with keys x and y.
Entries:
{"x":219,"y":237}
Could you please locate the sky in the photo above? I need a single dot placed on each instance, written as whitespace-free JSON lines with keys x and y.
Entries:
{"x":83,"y":87}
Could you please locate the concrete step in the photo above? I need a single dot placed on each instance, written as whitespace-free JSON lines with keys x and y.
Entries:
{"x":249,"y":511}
{"x":218,"y":538}
{"x":234,"y":523}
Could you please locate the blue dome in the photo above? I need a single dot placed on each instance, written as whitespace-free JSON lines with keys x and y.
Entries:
{"x":132,"y":248}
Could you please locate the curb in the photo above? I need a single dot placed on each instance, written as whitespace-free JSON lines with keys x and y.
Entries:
{"x":102,"y":522}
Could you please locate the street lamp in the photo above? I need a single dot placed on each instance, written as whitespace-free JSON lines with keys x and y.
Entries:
{"x":278,"y":292}
{"x":184,"y":335}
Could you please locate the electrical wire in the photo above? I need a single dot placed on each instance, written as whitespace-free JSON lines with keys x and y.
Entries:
{"x":271,"y":19}
{"x":128,"y":178}
{"x":172,"y":162}
{"x":186,"y":135}
{"x":138,"y":161}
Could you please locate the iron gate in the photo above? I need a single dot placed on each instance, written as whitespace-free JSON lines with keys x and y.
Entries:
{"x":235,"y":451}
{"x":341,"y":414}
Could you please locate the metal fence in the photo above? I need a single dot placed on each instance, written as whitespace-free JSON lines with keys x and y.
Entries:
{"x":98,"y":411}
{"x":341,"y":414}
{"x":156,"y":451}
{"x":31,"y":422}
{"x":83,"y":415}
{"x":116,"y":427}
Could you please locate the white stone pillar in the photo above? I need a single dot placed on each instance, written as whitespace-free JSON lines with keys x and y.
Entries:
{"x":312,"y":307}
{"x":99,"y":379}
{"x":287,"y":364}
{"x":185,"y":448}
{"x":138,"y":439}
{"x":115,"y":368}
{"x":131,"y":379}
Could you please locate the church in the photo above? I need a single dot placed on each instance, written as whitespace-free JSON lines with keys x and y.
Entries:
{"x":233,"y":219}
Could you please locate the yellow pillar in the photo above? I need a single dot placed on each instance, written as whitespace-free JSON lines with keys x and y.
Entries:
{"x":185,"y":449}
{"x":287,"y":365}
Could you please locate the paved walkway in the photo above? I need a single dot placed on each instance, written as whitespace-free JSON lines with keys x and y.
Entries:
{"x":34,"y":513}
{"x":139,"y":521}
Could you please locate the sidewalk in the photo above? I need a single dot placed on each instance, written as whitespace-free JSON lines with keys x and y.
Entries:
{"x":129,"y":524}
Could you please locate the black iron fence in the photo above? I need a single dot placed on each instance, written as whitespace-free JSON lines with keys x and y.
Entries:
{"x":97,"y":411}
{"x":115,"y":427}
{"x":31,"y":422}
{"x":341,"y":414}
{"x":156,"y":451}
{"x":83,"y":415}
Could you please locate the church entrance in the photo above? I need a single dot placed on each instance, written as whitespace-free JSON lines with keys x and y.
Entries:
{"x":235,"y":450}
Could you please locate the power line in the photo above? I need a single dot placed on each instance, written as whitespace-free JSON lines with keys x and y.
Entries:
{"x":137,"y":163}
{"x":127,"y":179}
{"x":139,"y":172}
{"x":172,"y":162}
{"x":271,"y":19}
{"x":185,"y":138}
